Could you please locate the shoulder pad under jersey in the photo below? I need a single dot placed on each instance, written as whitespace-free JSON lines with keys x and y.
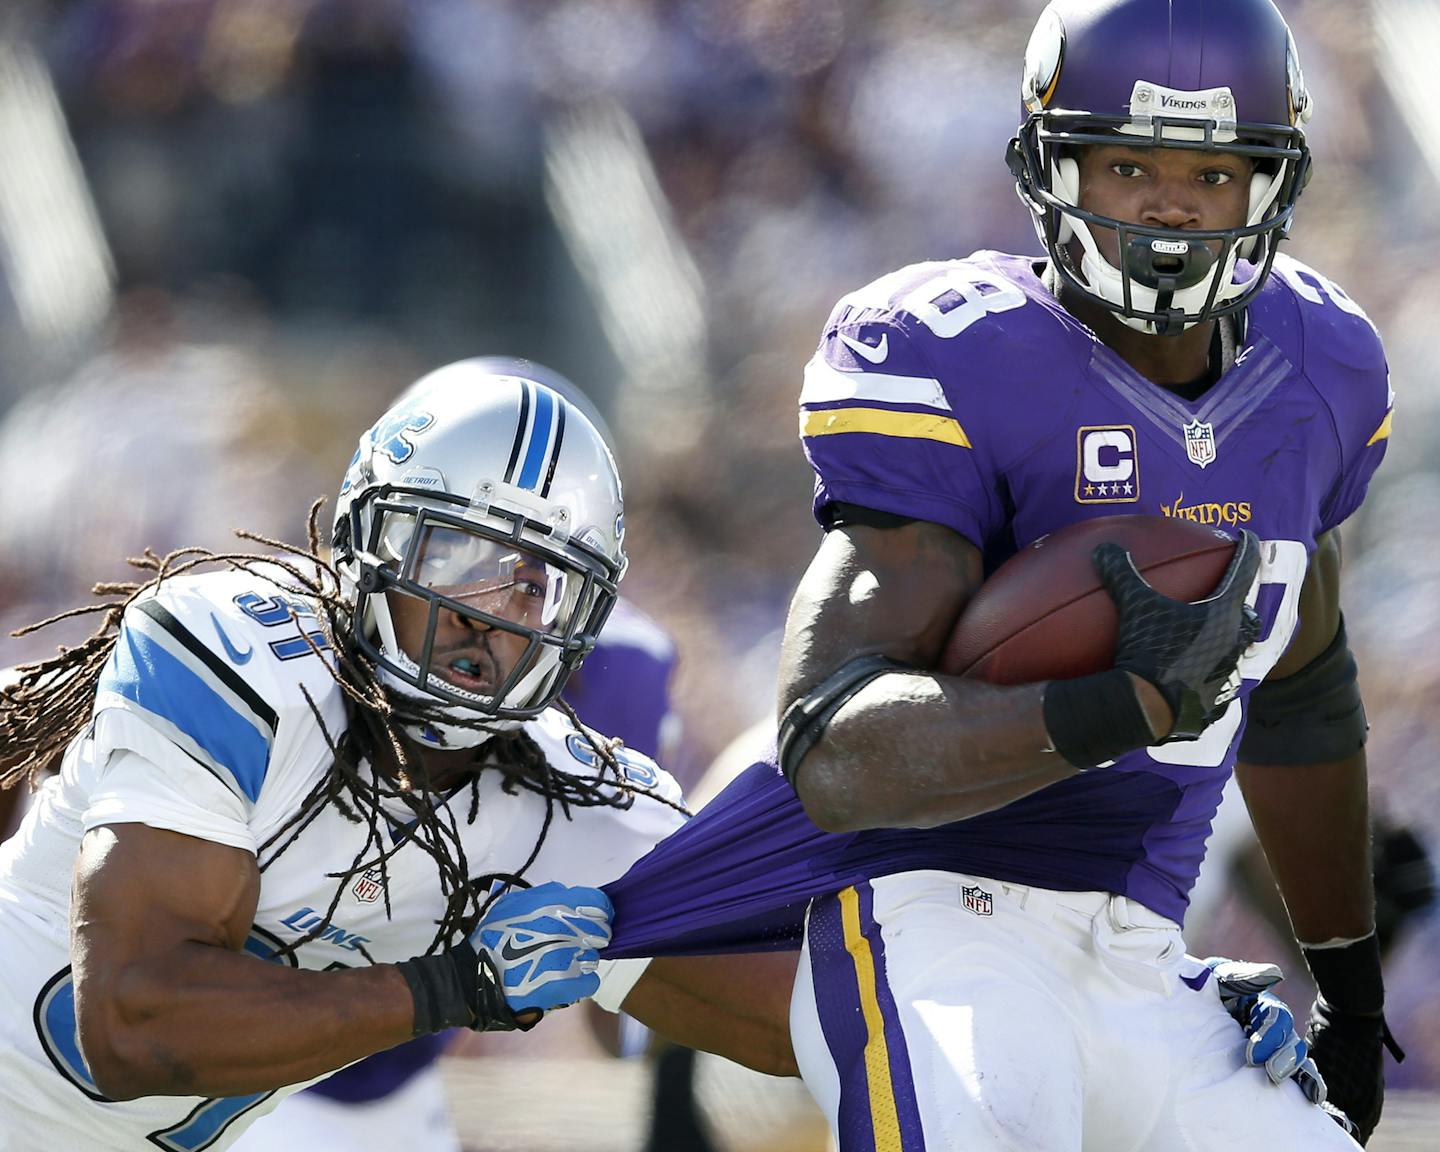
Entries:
{"x":220,"y":663}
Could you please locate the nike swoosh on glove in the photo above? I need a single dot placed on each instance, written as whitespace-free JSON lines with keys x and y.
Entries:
{"x":544,"y":943}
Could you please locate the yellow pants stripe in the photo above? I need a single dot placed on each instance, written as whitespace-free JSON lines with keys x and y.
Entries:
{"x":877,"y":1053}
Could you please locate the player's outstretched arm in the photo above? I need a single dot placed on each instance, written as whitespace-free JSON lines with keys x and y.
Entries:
{"x":168,"y":1004}
{"x":1303,"y":774}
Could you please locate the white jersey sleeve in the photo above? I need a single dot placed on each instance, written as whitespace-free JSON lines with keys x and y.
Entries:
{"x":162,"y":793}
{"x":210,"y":685}
{"x":590,"y":844}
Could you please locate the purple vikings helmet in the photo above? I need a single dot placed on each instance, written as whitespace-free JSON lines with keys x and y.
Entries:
{"x":1211,"y":75}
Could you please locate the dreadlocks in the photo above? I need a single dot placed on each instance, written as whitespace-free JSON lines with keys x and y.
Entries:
{"x":51,"y":701}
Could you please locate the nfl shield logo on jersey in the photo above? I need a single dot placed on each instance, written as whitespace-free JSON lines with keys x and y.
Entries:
{"x":367,"y":888}
{"x":978,"y":901}
{"x":1200,"y":443}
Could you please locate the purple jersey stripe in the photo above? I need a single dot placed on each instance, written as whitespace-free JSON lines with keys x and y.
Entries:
{"x":878,"y":1110}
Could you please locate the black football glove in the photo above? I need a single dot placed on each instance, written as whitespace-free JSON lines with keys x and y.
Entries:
{"x":1347,"y":1048}
{"x":1188,"y":651}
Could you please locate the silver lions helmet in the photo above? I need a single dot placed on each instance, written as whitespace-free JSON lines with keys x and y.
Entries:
{"x":479,"y":537}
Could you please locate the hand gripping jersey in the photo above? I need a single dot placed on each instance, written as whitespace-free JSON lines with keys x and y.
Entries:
{"x":623,"y":690}
{"x":202,"y":727}
{"x":963,"y":393}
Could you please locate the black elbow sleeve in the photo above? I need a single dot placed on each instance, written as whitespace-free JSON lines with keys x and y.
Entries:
{"x":804,"y":721}
{"x":1313,"y":717}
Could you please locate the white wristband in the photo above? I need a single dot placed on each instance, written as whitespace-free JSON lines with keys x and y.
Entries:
{"x":617,"y":977}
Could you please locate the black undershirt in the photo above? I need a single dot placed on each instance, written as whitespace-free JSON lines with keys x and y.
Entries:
{"x":1214,"y":368}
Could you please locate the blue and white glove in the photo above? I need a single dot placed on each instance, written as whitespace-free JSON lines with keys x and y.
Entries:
{"x":1271,"y":1041}
{"x":536,"y":949}
{"x":544,"y":944}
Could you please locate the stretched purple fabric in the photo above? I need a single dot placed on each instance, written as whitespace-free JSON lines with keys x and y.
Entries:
{"x":736,"y":878}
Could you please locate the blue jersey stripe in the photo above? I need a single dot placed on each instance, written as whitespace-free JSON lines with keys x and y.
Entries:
{"x":143,"y":672}
{"x":530,"y":471}
{"x":218,"y":668}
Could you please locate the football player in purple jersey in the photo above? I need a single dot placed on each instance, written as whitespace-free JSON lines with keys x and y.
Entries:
{"x":1162,"y":349}
{"x":993,"y":878}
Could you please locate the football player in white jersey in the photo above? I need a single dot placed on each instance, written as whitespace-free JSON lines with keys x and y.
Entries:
{"x":311,"y":808}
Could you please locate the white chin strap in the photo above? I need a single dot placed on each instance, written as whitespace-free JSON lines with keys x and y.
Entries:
{"x":453,"y":735}
{"x":1108,"y":282}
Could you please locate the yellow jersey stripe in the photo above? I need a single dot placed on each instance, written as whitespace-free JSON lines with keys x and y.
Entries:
{"x":1382,"y":432}
{"x":911,"y":425}
{"x":883,"y":1117}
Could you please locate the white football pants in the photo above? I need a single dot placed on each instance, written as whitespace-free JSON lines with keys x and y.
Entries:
{"x":935,"y":1012}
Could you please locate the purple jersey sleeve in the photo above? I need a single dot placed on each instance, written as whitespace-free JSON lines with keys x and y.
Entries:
{"x":892,"y":414}
{"x":1345,"y":363}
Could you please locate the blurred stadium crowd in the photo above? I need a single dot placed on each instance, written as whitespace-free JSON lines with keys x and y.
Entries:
{"x":232,"y":229}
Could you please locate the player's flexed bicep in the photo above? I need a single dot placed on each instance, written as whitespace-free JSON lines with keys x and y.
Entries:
{"x":889,"y":745}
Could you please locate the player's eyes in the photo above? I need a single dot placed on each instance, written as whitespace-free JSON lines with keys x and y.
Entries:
{"x":1216,"y":177}
{"x":1127,"y":169}
{"x":528,"y":584}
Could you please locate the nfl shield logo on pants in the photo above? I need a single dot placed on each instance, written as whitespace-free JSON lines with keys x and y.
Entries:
{"x":1199,"y":443}
{"x":978,"y":901}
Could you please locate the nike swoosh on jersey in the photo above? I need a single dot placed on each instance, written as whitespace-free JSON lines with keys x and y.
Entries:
{"x":1197,"y":981}
{"x":875,"y":354}
{"x":234,"y":653}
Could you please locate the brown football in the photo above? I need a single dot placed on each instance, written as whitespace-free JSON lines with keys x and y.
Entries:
{"x":1044,"y":615}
